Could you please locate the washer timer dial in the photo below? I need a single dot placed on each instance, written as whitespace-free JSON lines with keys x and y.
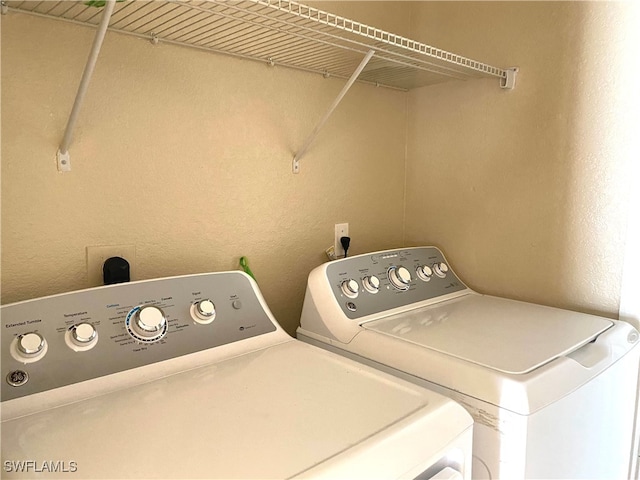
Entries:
{"x":399,"y":277}
{"x":147,"y":323}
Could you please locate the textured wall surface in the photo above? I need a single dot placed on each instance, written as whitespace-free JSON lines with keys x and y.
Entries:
{"x":526,"y":190}
{"x":186,"y":155}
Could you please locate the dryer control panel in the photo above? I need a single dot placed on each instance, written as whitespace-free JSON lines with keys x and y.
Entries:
{"x":64,"y":339}
{"x":373,"y":283}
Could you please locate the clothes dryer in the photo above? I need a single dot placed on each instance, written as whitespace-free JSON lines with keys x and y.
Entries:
{"x":552,"y":392}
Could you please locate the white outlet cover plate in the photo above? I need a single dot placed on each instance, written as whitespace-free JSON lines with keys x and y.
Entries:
{"x":97,"y":255}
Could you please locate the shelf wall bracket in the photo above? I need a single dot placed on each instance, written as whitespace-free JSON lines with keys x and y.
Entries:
{"x":323,"y":120}
{"x":62,"y":156}
{"x":509,"y":82}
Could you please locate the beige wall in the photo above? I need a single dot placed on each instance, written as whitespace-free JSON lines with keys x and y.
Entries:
{"x":187,"y":155}
{"x":526,"y":190}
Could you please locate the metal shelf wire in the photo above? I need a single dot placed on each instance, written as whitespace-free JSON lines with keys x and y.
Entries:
{"x":278,"y":32}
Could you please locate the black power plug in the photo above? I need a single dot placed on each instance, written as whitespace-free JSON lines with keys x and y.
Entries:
{"x":345,"y":241}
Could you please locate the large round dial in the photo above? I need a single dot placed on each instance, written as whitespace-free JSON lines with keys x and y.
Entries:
{"x":440,"y":269}
{"x":147,"y":323}
{"x":350,"y":288}
{"x":399,"y":277}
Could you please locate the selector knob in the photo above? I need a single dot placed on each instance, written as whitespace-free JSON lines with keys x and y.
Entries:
{"x":399,"y":277}
{"x":28,"y":347}
{"x":147,"y":323}
{"x":371,"y":284}
{"x":350,"y":288}
{"x":424,"y":272}
{"x":83,"y":334}
{"x":203,"y":311}
{"x":81,"y":337}
{"x":440,"y":269}
{"x":30,"y":344}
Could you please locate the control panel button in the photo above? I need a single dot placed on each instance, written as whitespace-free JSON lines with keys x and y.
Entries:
{"x":350,"y":288}
{"x":147,"y":324}
{"x":440,"y":269}
{"x":399,"y":277}
{"x":424,"y":273}
{"x":28,"y":347}
{"x":371,"y":284}
{"x":203,"y":312}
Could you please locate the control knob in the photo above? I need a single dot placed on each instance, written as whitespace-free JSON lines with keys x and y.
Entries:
{"x":30,"y":344}
{"x":28,"y":347}
{"x":371,"y":283}
{"x":147,"y":324}
{"x":350,"y":288}
{"x":81,"y":337}
{"x":424,"y":272}
{"x":399,"y":277}
{"x":440,"y":269}
{"x":203,"y":311}
{"x":83,"y":334}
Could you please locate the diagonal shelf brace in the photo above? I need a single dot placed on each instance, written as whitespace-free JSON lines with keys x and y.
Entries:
{"x":323,"y":120}
{"x":62,"y":156}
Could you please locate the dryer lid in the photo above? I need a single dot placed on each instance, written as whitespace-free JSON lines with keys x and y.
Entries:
{"x":504,"y":335}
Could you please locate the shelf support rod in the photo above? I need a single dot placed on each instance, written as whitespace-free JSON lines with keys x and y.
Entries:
{"x":64,"y":163}
{"x":323,"y":120}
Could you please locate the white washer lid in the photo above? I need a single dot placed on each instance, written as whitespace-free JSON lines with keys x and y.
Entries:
{"x":505,"y":335}
{"x":273,"y":413}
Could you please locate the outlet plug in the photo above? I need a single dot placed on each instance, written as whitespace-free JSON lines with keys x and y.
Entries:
{"x":96,"y":256}
{"x":341,"y":230}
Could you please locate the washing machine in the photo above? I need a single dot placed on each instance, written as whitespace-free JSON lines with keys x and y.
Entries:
{"x":552,"y":392}
{"x":192,"y":377}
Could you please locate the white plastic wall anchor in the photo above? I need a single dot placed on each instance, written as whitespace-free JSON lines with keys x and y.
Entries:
{"x":154,"y":39}
{"x":64,"y":161}
{"x":323,"y":120}
{"x":510,"y":81}
{"x":270,"y":62}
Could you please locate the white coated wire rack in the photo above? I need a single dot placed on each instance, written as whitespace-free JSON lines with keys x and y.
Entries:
{"x":278,"y":32}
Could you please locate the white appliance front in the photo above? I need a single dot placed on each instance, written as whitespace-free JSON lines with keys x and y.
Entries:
{"x":552,"y":392}
{"x":191,"y":377}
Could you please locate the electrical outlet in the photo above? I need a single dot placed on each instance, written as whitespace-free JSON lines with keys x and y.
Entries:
{"x":97,"y":255}
{"x":341,"y":230}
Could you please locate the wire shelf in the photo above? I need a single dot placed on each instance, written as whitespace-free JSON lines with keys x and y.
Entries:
{"x":278,"y":32}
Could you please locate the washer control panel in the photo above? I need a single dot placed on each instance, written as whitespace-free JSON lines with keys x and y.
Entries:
{"x":373,"y":283}
{"x":64,"y":339}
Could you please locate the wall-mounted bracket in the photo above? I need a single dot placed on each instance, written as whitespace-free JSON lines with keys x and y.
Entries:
{"x":4,"y":8}
{"x":64,"y":162}
{"x":509,"y":82}
{"x":323,"y":120}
